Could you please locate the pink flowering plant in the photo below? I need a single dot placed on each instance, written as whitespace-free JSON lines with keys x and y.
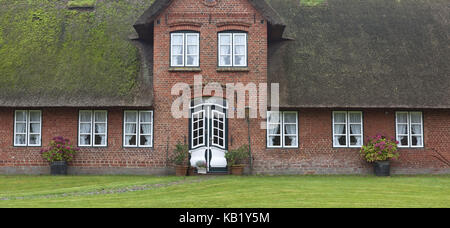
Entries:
{"x":60,"y":149}
{"x":380,"y":148}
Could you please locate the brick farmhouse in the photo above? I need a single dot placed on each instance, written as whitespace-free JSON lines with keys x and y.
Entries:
{"x":103,"y":76}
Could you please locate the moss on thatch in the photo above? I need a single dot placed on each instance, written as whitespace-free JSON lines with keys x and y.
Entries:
{"x":81,"y":4}
{"x":48,"y":50}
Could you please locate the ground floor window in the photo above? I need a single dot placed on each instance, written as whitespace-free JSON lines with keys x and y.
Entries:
{"x":347,"y":129}
{"x":93,"y":128}
{"x":282,"y":129}
{"x":27,"y":127}
{"x":409,"y":129}
{"x":138,"y":129}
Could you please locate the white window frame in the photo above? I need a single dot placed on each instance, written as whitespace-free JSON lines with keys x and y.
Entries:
{"x":27,"y":123}
{"x":138,"y":124}
{"x":92,"y":123}
{"x":219,"y":115}
{"x":184,"y":49}
{"x":232,"y":55}
{"x":409,"y":134}
{"x":282,"y":134}
{"x":347,"y":129}
{"x":203,"y":119}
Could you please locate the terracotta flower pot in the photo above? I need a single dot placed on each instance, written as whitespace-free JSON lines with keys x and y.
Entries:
{"x":181,"y":170}
{"x":191,"y":171}
{"x":237,"y":170}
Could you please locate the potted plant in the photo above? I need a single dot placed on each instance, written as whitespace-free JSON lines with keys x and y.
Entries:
{"x":201,"y":167}
{"x":179,"y":158}
{"x":59,"y":152}
{"x":379,"y":150}
{"x":235,"y":159}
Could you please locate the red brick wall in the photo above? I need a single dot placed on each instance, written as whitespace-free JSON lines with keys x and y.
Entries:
{"x":226,"y":15}
{"x":315,"y":154}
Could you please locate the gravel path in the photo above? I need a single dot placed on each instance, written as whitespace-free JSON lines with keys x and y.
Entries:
{"x":113,"y":190}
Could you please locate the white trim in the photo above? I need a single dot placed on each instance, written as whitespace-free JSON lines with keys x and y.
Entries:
{"x":232,"y":46}
{"x":282,"y":124}
{"x":184,"y":49}
{"x":220,"y":115}
{"x":138,"y":124}
{"x":202,"y":113}
{"x":92,"y":123}
{"x":27,"y":122}
{"x":409,"y":134}
{"x":347,"y":133}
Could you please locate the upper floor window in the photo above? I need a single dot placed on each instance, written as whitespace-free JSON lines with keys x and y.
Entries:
{"x":184,"y":49}
{"x":93,"y":128}
{"x":282,"y":129}
{"x":232,"y":49}
{"x":409,"y":129}
{"x":347,"y":129}
{"x":27,"y":128}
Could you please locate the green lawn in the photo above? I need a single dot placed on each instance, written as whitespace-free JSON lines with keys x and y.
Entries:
{"x":247,"y":192}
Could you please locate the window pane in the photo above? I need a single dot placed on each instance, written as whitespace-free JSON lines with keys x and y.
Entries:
{"x":403,"y":140}
{"x":192,"y":50}
{"x":274,"y":129}
{"x":20,"y":139}
{"x":130,"y":128}
{"x":416,"y":118}
{"x":131,"y":117}
{"x":21,"y":116}
{"x":34,"y":140}
{"x":416,"y":140}
{"x":340,"y":141}
{"x":100,"y":116}
{"x":355,"y":128}
{"x":85,"y":140}
{"x":225,"y":39}
{"x":355,"y":117}
{"x":274,"y":141}
{"x":35,"y":116}
{"x":239,"y":50}
{"x":225,"y":50}
{"x":85,"y":128}
{"x":340,"y":118}
{"x":225,"y":60}
{"x":273,"y":117}
{"x":35,"y":128}
{"x":290,"y":118}
{"x":146,"y":117}
{"x":177,"y":39}
{"x":177,"y":50}
{"x":177,"y":60}
{"x":402,"y":129}
{"x":145,"y":140}
{"x":402,"y":118}
{"x":85,"y":116}
{"x":416,"y":129}
{"x":146,"y":128}
{"x":192,"y":60}
{"x":355,"y":141}
{"x":290,"y":141}
{"x":130,"y":140}
{"x":100,"y":140}
{"x":239,"y":60}
{"x":100,"y":128}
{"x":192,"y":39}
{"x":339,"y":129}
{"x":240,"y":39}
{"x":290,"y":129}
{"x":21,"y":128}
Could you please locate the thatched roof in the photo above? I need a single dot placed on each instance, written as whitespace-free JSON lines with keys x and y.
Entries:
{"x":371,"y":53}
{"x":343,"y":53}
{"x":51,"y":56}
